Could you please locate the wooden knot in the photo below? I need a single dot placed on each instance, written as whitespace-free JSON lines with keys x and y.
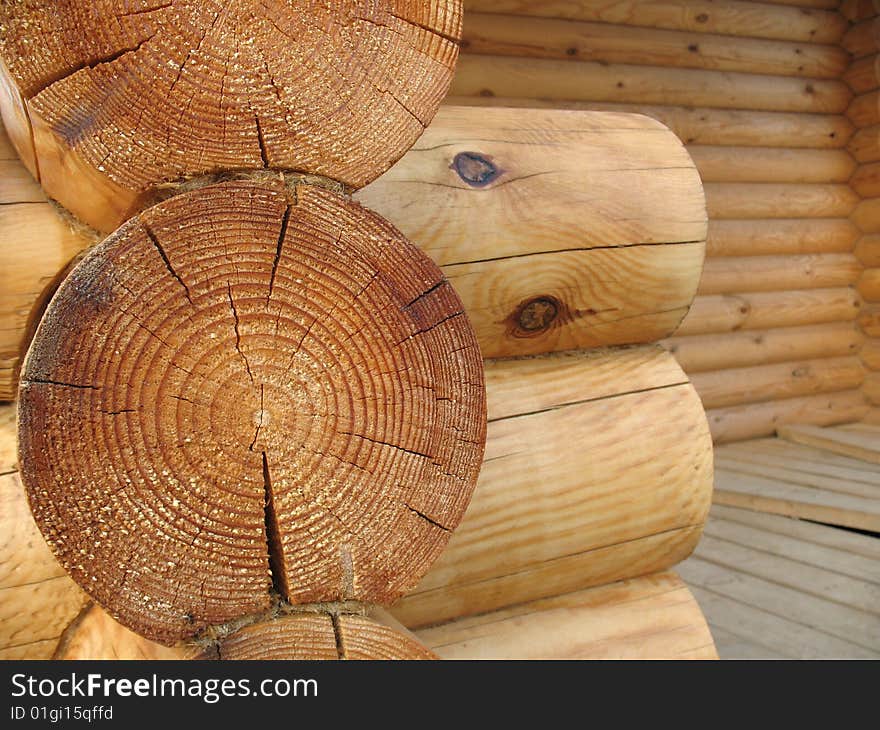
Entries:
{"x":475,"y":169}
{"x":538,"y":314}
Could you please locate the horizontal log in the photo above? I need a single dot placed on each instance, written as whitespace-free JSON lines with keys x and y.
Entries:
{"x":750,"y":19}
{"x":770,"y":164}
{"x":864,"y":145}
{"x":766,"y":310}
{"x":869,"y":319}
{"x":762,"y":383}
{"x":776,"y":200}
{"x":546,"y":252}
{"x":866,"y":180}
{"x":864,"y":109}
{"x":870,"y":354}
{"x":545,"y":521}
{"x":863,"y":38}
{"x":724,"y":275}
{"x":512,"y":35}
{"x":592,"y":81}
{"x":702,"y":353}
{"x":654,"y":617}
{"x":780,"y":236}
{"x":701,"y":125}
{"x":867,"y":250}
{"x":867,"y":215}
{"x":869,"y":285}
{"x":756,"y":420}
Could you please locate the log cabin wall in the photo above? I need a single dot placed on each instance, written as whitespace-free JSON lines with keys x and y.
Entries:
{"x":862,"y":42}
{"x":772,"y":102}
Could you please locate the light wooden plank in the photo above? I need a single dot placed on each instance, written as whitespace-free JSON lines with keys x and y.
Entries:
{"x":833,"y":537}
{"x":766,"y":468}
{"x":864,"y":446}
{"x":752,"y":492}
{"x":783,"y":637}
{"x":801,"y":551}
{"x":849,"y":624}
{"x":731,"y":646}
{"x":792,"y":573}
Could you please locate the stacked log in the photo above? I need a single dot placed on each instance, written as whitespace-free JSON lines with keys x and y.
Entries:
{"x":862,"y":40}
{"x":271,"y":404}
{"x":757,"y":92}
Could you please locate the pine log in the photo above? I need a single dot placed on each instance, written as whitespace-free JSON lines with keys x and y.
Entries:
{"x":772,"y":165}
{"x":869,"y":285}
{"x":863,"y":38}
{"x":864,"y":110}
{"x":715,"y":314}
{"x":654,"y":617}
{"x":868,"y":250}
{"x":870,"y":354}
{"x":629,"y":499}
{"x":104,"y":104}
{"x":755,"y":420}
{"x":863,"y":75}
{"x":780,"y":236}
{"x":871,"y":388}
{"x":287,"y":334}
{"x":701,"y":125}
{"x":703,"y":353}
{"x":869,"y":320}
{"x":37,"y":599}
{"x":762,"y":383}
{"x":770,"y":200}
{"x":857,"y":10}
{"x":750,"y":19}
{"x":547,"y":224}
{"x":593,"y":81}
{"x":512,"y":35}
{"x":867,"y":215}
{"x":866,"y":180}
{"x":864,"y":145}
{"x":724,"y":275}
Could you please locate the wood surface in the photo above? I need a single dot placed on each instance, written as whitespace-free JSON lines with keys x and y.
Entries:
{"x":773,"y":587}
{"x":654,"y":617}
{"x":527,"y":220}
{"x":780,"y":237}
{"x":724,"y":275}
{"x":37,"y":599}
{"x":287,"y":334}
{"x":104,"y":104}
{"x":627,"y":500}
{"x":864,"y":109}
{"x":863,"y":444}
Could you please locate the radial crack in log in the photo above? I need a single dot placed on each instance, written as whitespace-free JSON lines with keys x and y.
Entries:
{"x":319,"y":451}
{"x":119,"y":102}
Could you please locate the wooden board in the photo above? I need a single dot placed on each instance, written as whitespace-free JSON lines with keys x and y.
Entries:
{"x":654,"y":617}
{"x":863,"y":444}
{"x":597,"y":468}
{"x":776,"y":587}
{"x":773,"y":475}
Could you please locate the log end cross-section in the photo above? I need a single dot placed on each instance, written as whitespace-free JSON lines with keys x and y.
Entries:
{"x":106,"y":99}
{"x":249,"y":393}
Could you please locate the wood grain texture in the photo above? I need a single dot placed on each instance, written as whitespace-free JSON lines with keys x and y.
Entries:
{"x":287,"y":334}
{"x":862,"y":38}
{"x":778,"y":200}
{"x":863,"y":74}
{"x":864,"y":109}
{"x":654,"y":617}
{"x":866,"y":180}
{"x":864,"y":145}
{"x":553,"y":225}
{"x":714,"y":314}
{"x":867,"y":215}
{"x":594,"y":81}
{"x":780,"y":237}
{"x":702,"y":125}
{"x":750,"y":19}
{"x":337,"y":91}
{"x":37,"y":599}
{"x":762,"y":383}
{"x":863,"y":444}
{"x":726,"y":275}
{"x":512,"y":35}
{"x":546,"y":520}
{"x":702,"y":353}
{"x":755,"y":420}
{"x":771,"y":164}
